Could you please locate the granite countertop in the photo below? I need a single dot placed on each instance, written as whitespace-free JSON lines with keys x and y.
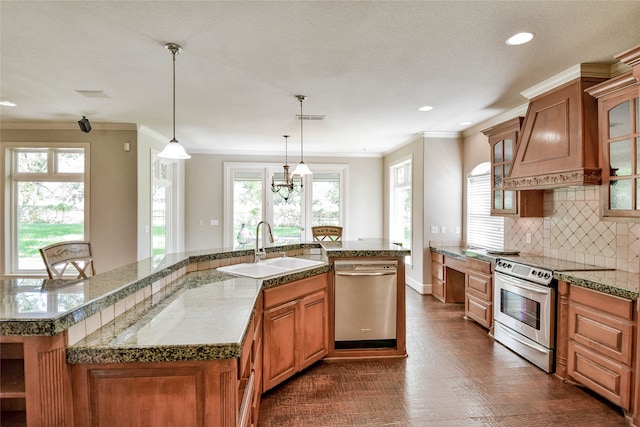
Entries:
{"x":614,"y":282}
{"x":201,"y":316}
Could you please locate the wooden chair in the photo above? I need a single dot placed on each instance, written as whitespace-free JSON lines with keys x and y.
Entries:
{"x":59,"y":256}
{"x":327,"y":232}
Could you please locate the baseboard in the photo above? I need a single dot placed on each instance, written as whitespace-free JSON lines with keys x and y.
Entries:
{"x":421,"y":288}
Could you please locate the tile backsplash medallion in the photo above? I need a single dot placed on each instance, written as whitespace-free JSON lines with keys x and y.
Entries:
{"x":572,"y":230}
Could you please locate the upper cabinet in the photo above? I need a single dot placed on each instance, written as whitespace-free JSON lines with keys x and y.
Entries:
{"x":502,"y":140}
{"x":619,"y":136}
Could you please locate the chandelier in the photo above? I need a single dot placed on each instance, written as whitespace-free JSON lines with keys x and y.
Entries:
{"x":287,"y":186}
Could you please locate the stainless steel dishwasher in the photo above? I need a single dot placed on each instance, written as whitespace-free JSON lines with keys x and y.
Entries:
{"x":365,"y":303}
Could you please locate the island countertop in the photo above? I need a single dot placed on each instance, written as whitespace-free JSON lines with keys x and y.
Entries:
{"x":39,"y":307}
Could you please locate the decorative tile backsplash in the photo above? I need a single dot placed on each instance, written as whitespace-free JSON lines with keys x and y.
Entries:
{"x":572,"y":230}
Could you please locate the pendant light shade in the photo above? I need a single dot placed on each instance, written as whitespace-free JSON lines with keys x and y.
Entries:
{"x":173,"y":150}
{"x":301,"y":169}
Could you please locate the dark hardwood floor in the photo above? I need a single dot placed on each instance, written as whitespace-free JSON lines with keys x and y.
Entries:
{"x":455,"y":375}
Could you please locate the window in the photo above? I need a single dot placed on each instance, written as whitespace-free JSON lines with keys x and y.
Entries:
{"x":401,"y":204}
{"x":161,"y":206}
{"x":483,"y":230}
{"x":47,"y":201}
{"x":249,"y":199}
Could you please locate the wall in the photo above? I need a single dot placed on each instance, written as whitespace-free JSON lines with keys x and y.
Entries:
{"x":204,"y":195}
{"x":443,"y":196}
{"x":113,"y":191}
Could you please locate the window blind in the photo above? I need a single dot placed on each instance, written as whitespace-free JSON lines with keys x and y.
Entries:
{"x":483,"y":230}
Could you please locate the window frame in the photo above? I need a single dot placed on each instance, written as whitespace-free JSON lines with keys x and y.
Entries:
{"x":393,"y":189}
{"x":12,"y":178}
{"x":267,"y":170}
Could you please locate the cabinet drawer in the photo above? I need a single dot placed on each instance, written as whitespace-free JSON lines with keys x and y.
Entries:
{"x":437,"y":289}
{"x":617,"y":306}
{"x":480,"y":286}
{"x":608,"y":335}
{"x":479,"y":310}
{"x":437,"y":257}
{"x":609,"y":379}
{"x":291,"y":291}
{"x":437,"y":271}
{"x":479,"y":266}
{"x":455,"y":264}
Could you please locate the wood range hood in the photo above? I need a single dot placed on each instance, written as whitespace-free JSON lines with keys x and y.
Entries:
{"x":558,"y":144}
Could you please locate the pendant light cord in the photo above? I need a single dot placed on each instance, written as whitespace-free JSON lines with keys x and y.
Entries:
{"x":301,"y":98}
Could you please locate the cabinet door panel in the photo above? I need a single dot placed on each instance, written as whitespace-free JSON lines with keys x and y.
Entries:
{"x":280,"y":337}
{"x":607,"y":378}
{"x":605,"y":334}
{"x":480,"y":311}
{"x":314,"y":325}
{"x":480,"y":285}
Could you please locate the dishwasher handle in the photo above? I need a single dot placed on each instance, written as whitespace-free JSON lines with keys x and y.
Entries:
{"x":366,"y":273}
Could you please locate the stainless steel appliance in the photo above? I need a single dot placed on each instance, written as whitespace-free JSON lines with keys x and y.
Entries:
{"x":525,"y":305}
{"x":525,"y":311}
{"x":365,"y":304}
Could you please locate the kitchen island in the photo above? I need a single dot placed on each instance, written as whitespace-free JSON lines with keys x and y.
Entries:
{"x":151,"y":328}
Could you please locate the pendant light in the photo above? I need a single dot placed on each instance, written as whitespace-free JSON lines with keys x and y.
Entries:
{"x":286,"y":187}
{"x":301,"y":169}
{"x":173,"y":150}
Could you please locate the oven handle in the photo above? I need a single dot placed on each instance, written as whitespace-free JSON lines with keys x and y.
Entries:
{"x":506,"y":331}
{"x":520,"y":284}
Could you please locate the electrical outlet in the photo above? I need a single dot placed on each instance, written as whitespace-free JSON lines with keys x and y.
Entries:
{"x":528,"y":238}
{"x":434,"y":229}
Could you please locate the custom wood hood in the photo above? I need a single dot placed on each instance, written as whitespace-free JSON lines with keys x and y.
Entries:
{"x":558,"y":145}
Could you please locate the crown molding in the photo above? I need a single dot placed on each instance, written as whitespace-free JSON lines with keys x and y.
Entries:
{"x":500,"y":118}
{"x":580,"y":70}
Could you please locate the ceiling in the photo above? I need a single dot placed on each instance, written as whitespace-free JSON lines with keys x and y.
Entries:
{"x":367,"y":66}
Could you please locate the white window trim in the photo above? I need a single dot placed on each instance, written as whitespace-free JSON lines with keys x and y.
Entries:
{"x":483,"y":171}
{"x":392,"y":187}
{"x":267,"y":170}
{"x":10,"y":207}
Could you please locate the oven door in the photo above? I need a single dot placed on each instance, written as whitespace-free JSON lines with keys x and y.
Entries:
{"x":526,"y":308}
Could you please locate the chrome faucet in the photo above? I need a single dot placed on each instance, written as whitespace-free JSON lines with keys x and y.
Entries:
{"x":260,"y":253}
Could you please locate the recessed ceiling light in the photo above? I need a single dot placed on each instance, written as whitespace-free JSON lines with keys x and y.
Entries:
{"x":8,"y":104}
{"x":425,"y":108}
{"x":465,"y":123}
{"x":520,"y":38}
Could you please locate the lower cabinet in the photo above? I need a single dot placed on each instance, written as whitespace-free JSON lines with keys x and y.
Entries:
{"x":35,"y":385}
{"x":601,"y":339}
{"x":295,"y":327}
{"x":447,"y":277}
{"x":478,"y":303}
{"x":437,"y":275}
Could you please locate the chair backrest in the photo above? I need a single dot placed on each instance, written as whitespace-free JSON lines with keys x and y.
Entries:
{"x":327,"y":232}
{"x":59,"y":256}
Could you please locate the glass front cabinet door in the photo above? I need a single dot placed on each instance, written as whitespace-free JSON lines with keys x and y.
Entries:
{"x":502,"y":140}
{"x":619,"y":122}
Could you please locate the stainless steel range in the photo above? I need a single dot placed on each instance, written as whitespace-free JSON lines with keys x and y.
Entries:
{"x":525,"y":305}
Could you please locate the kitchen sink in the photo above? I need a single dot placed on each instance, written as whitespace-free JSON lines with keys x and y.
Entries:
{"x":270,"y":267}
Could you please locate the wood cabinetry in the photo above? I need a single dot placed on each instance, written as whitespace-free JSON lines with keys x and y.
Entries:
{"x":478,"y":303}
{"x":437,"y":275}
{"x":448,"y":277}
{"x":601,"y":337}
{"x":619,"y":124}
{"x":35,"y":388}
{"x":222,"y":392}
{"x":527,"y":203}
{"x":295,"y":328}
